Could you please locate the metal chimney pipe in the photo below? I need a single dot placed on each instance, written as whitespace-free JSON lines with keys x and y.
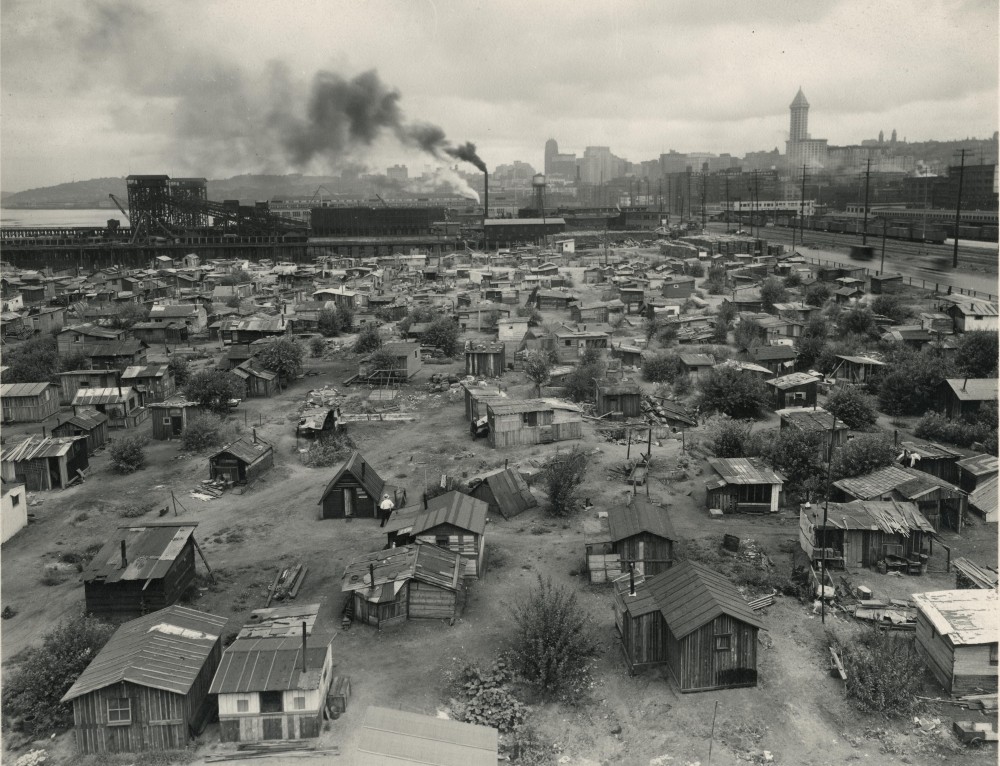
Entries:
{"x":303,"y":646}
{"x":124,"y":557}
{"x":371,"y":574}
{"x":254,"y":435}
{"x":631,"y":579}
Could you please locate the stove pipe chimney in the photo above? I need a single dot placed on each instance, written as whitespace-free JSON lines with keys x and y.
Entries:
{"x":631,"y":579}
{"x":303,"y":646}
{"x":371,"y":574}
{"x":124,"y":557}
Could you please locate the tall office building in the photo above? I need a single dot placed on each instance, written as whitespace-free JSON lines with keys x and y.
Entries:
{"x":801,"y":149}
{"x":799,"y":108}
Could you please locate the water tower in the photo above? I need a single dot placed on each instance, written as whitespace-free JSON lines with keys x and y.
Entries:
{"x":538,"y":184}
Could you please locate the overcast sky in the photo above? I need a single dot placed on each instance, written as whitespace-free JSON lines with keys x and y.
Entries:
{"x":196,"y":87}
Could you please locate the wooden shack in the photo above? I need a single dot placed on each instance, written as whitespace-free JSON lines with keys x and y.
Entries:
{"x":504,"y":491}
{"x":154,"y":382}
{"x":88,"y":423}
{"x":531,"y":421}
{"x":316,"y":421}
{"x":13,"y":509}
{"x":636,"y":537}
{"x":957,"y":636}
{"x":975,"y":469}
{"x":778,"y":359}
{"x":745,"y":485}
{"x":453,"y":521}
{"x":242,"y":461}
{"x":259,"y":381}
{"x":692,"y":620}
{"x":354,"y":491}
{"x":410,"y":581}
{"x":931,"y":458}
{"x":404,"y":738}
{"x":856,"y":370}
{"x":28,"y":402}
{"x":147,"y":688}
{"x":983,"y":500}
{"x":618,"y":400}
{"x":797,"y":389}
{"x":476,"y":399}
{"x":485,"y":360}
{"x":72,"y":381}
{"x":960,"y":398}
{"x":697,"y":366}
{"x":863,"y":533}
{"x":171,"y":416}
{"x":274,"y":687}
{"x":140,"y":569}
{"x":122,"y":405}
{"x":43,"y":463}
{"x":816,"y":420}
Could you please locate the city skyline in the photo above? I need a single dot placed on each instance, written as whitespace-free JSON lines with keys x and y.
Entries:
{"x":641,"y":79}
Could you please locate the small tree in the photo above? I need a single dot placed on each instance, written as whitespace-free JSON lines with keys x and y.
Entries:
{"x":537,"y":368}
{"x":817,"y":294}
{"x":34,"y":361}
{"x":239,"y":277}
{"x":580,"y":382}
{"x":368,"y":340}
{"x":34,"y":688}
{"x":793,"y":279}
{"x":976,"y":355}
{"x":809,"y":349}
{"x":730,"y":391}
{"x":283,"y":356}
{"x":884,"y":672}
{"x":128,"y":453}
{"x":749,"y":334}
{"x":563,"y":474}
{"x":552,"y":646}
{"x":733,"y":438}
{"x":234,"y":301}
{"x":890,"y":306}
{"x":694,"y":268}
{"x":661,"y":368}
{"x":179,"y":368}
{"x":317,"y":347}
{"x":854,"y":407}
{"x":382,"y":360}
{"x":859,"y":321}
{"x":214,"y":389}
{"x":328,"y":323}
{"x":772,"y":290}
{"x":201,"y":432}
{"x":417,"y":315}
{"x":345,"y":317}
{"x":798,"y":455}
{"x":442,"y":334}
{"x":128,"y":314}
{"x":864,"y":454}
{"x":727,"y":312}
{"x":533,"y":315}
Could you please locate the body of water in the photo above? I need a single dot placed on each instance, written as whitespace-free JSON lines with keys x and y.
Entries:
{"x":29,"y":219}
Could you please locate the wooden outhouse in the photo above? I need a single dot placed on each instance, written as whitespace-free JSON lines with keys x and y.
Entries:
{"x":89,"y":423}
{"x":504,"y":491}
{"x":692,"y":620}
{"x":485,"y":360}
{"x":404,"y":738}
{"x":140,"y":569}
{"x":147,"y":688}
{"x":453,"y":521}
{"x":797,"y":389}
{"x":409,"y":581}
{"x":618,"y":400}
{"x":745,"y":485}
{"x":28,"y":402}
{"x":274,"y":687}
{"x":242,"y":461}
{"x":354,"y":491}
{"x":170,"y":417}
{"x":957,"y":636}
{"x":44,"y":463}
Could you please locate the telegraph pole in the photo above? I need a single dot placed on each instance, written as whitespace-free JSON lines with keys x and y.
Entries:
{"x":958,"y":210}
{"x":802,"y":207}
{"x":864,"y":230}
{"x":689,"y":194}
{"x":729,"y":210}
{"x":881,"y":268}
{"x":703,"y":181}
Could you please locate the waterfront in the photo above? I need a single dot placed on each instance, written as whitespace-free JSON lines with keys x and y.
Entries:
{"x":37,"y":218}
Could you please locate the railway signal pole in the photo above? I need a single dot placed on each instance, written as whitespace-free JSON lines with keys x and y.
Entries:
{"x":958,"y":209}
{"x":864,"y":229}
{"x":802,"y":208}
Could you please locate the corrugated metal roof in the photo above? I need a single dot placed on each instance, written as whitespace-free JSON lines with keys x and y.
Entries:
{"x":974,"y":389}
{"x":163,"y":650}
{"x":271,"y":664}
{"x":176,"y":310}
{"x":35,"y":447}
{"x":811,"y":419}
{"x":145,"y":371}
{"x":892,"y":517}
{"x":741,"y":470}
{"x":979,"y":465}
{"x":92,"y":396}
{"x":367,"y":477}
{"x":907,"y":481}
{"x":150,"y":551}
{"x":13,"y":390}
{"x":984,"y":498}
{"x":860,"y":359}
{"x":689,"y":595}
{"x":452,"y":508}
{"x":420,"y":561}
{"x":639,"y":516}
{"x":968,"y":617}
{"x":792,"y":380}
{"x":399,"y":738}
{"x":928,"y":450}
{"x":249,"y":449}
{"x":87,"y":419}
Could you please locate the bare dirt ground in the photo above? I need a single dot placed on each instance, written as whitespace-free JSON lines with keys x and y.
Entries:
{"x":798,"y":712}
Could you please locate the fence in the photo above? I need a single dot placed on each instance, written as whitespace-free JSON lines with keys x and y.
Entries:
{"x":924,"y":284}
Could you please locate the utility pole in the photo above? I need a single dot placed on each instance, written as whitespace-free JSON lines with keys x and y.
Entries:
{"x":703,"y":220}
{"x":756,"y":191}
{"x":728,"y":208}
{"x":864,"y":230}
{"x":689,"y":194}
{"x":958,"y":210}
{"x":826,"y":508}
{"x":881,"y":268}
{"x":802,"y":208}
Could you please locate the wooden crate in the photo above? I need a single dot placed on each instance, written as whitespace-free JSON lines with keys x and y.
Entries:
{"x":338,"y":694}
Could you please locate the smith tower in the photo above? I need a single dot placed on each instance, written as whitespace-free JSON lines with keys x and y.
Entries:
{"x":799,"y":130}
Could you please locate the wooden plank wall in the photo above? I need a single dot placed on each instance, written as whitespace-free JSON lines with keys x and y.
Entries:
{"x":158,"y":720}
{"x":126,"y":598}
{"x":936,"y":650}
{"x":656,"y":554}
{"x":700,"y":666}
{"x":429,"y":601}
{"x":254,"y":728}
{"x":333,"y":503}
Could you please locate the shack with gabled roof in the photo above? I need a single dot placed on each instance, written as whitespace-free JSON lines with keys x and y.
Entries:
{"x":636,"y":537}
{"x":963,"y":397}
{"x":242,"y":461}
{"x":692,"y":620}
{"x":453,"y":521}
{"x":504,"y":491}
{"x":618,"y":400}
{"x":147,"y":688}
{"x":354,"y":491}
{"x":89,"y":423}
{"x":45,"y":463}
{"x":745,"y":485}
{"x":797,"y":389}
{"x":28,"y":402}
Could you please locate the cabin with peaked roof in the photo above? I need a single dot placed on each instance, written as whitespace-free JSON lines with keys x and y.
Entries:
{"x":390,"y":736}
{"x":744,"y":485}
{"x":969,"y":315}
{"x":862,"y":533}
{"x":697,"y":366}
{"x":453,"y":521}
{"x":170,"y":417}
{"x":89,"y":423}
{"x":43,"y":463}
{"x":122,"y":405}
{"x":504,"y":491}
{"x":147,"y":688}
{"x":154,"y":382}
{"x":856,"y":370}
{"x":415,"y":581}
{"x":72,"y":381}
{"x":141,"y":569}
{"x":960,"y":398}
{"x":797,"y":389}
{"x":259,"y":381}
{"x":778,"y":359}
{"x":816,"y":420}
{"x":242,"y":461}
{"x":274,"y":687}
{"x":692,"y":620}
{"x":636,"y":537}
{"x":28,"y":402}
{"x":931,"y":458}
{"x":618,"y":400}
{"x":957,"y":636}
{"x":354,"y":491}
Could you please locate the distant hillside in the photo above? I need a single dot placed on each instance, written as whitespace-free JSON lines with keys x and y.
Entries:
{"x":80,"y":194}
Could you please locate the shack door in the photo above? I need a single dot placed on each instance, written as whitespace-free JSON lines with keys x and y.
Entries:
{"x":272,"y":727}
{"x":853,"y":549}
{"x":640,"y":564}
{"x":348,"y":502}
{"x":176,"y":425}
{"x":228,"y":469}
{"x":544,"y":434}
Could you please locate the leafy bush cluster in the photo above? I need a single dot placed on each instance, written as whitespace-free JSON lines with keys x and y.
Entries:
{"x":661,"y":368}
{"x":911,"y":382}
{"x":733,"y":438}
{"x":202,"y":432}
{"x":214,"y":389}
{"x":442,"y":334}
{"x":328,"y":450}
{"x":863,"y":454}
{"x":853,"y":406}
{"x":32,"y":690}
{"x":884,"y":672}
{"x":537,"y":368}
{"x":128,"y":453}
{"x":729,"y":391}
{"x":331,"y":322}
{"x":563,"y":474}
{"x":580,"y":382}
{"x":487,"y":699}
{"x":368,"y":340}
{"x":283,"y":356}
{"x":963,"y":433}
{"x":35,"y":361}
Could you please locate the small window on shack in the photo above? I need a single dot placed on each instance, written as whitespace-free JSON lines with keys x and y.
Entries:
{"x":723,"y":642}
{"x":299,"y":702}
{"x":243,"y":705}
{"x":119,"y":710}
{"x":271,"y":702}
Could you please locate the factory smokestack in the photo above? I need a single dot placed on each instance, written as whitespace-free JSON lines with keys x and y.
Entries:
{"x":486,"y":201}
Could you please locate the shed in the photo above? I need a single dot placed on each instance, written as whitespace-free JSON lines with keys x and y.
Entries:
{"x":778,"y":359}
{"x":856,"y":370}
{"x":154,"y":382}
{"x":531,"y":421}
{"x":453,"y":521}
{"x":28,"y":402}
{"x":960,"y":398}
{"x":140,"y":569}
{"x":693,"y":620}
{"x":984,"y":500}
{"x":697,"y":365}
{"x":147,"y":689}
{"x":315,"y":421}
{"x":931,"y":458}
{"x":638,"y":535}
{"x":818,"y":421}
{"x":13,"y":509}
{"x":886,"y":283}
{"x":745,"y":485}
{"x":354,"y":490}
{"x":968,"y":574}
{"x":407,"y":360}
{"x":44,"y":463}
{"x":797,"y":389}
{"x":259,"y":381}
{"x":122,"y":405}
{"x":418,"y":581}
{"x":72,"y":381}
{"x":504,"y":491}
{"x":402,"y":738}
{"x":975,"y":469}
{"x":957,"y":634}
{"x":273,"y":687}
{"x":89,"y":423}
{"x":170,"y":417}
{"x":618,"y":400}
{"x":242,"y":461}
{"x":485,"y":360}
{"x":864,"y":532}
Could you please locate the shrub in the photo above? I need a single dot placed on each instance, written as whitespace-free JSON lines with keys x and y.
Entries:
{"x":794,"y":279}
{"x":552,"y":646}
{"x":682,"y":384}
{"x":890,"y":306}
{"x":864,"y":454}
{"x":694,"y":268}
{"x":749,"y":334}
{"x":382,"y":359}
{"x":729,"y":391}
{"x":859,"y":321}
{"x":911,"y":384}
{"x":534,"y":317}
{"x":580,"y":382}
{"x":202,"y":432}
{"x":234,"y":301}
{"x":214,"y":389}
{"x":487,"y":698}
{"x":799,"y":456}
{"x":442,"y":334}
{"x":128,"y":454}
{"x":368,"y":340}
{"x":661,"y":368}
{"x":668,"y":333}
{"x":128,"y":314}
{"x":884,"y":672}
{"x":178,"y":366}
{"x":963,"y":433}
{"x":976,"y":355}
{"x":328,"y":323}
{"x":34,"y":361}
{"x":733,"y":438}
{"x":328,"y":450}
{"x":772,"y":290}
{"x":817,"y":294}
{"x":33,"y":689}
{"x":537,"y":368}
{"x":853,"y":406}
{"x":282,"y":356}
{"x":563,"y":474}
{"x":317,"y":347}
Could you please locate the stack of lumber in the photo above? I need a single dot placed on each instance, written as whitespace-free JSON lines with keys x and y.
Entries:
{"x":280,"y":621}
{"x":283,"y":749}
{"x":287,"y":583}
{"x":212,"y":487}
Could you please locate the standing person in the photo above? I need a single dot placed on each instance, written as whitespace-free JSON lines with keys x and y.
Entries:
{"x":385,"y":509}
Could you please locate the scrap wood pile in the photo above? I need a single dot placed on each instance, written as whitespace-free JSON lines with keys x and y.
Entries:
{"x":209,"y":489}
{"x":282,"y":749}
{"x":985,"y":702}
{"x":891,"y":614}
{"x":287,"y":583}
{"x":327,"y":396}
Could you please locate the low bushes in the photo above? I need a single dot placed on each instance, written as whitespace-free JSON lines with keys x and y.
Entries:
{"x":128,"y":453}
{"x":884,"y":672}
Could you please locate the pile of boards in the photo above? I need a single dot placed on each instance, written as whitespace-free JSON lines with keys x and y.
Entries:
{"x":286,"y":583}
{"x":283,"y":749}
